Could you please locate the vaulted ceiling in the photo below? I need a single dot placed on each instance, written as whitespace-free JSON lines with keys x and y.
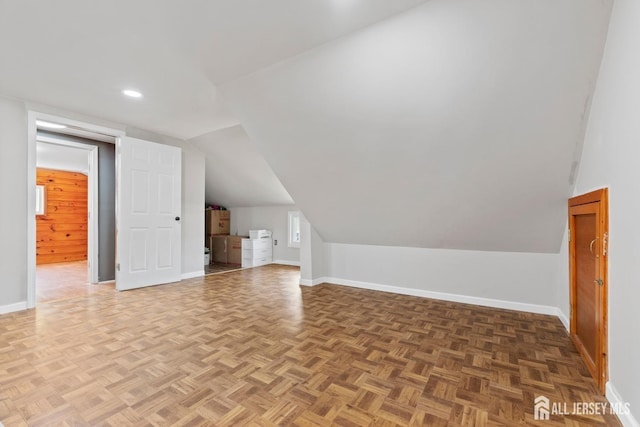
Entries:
{"x":444,"y":124}
{"x":79,"y":55}
{"x":237,"y":175}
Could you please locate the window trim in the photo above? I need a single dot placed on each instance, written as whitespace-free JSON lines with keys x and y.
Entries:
{"x":293,"y":217}
{"x":41,"y":199}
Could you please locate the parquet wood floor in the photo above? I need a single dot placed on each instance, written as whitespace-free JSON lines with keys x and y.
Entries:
{"x":65,"y":280}
{"x":217,"y":268}
{"x":253,"y":348}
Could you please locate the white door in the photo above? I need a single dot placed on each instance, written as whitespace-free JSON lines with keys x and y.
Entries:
{"x":148,"y":213}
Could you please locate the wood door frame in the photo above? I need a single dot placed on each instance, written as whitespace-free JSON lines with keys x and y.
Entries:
{"x":600,"y":196}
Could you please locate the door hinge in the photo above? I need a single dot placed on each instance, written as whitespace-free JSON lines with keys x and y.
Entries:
{"x":569,"y":235}
{"x":118,"y":266}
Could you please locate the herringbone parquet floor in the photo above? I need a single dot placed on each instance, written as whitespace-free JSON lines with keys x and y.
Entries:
{"x":253,"y":348}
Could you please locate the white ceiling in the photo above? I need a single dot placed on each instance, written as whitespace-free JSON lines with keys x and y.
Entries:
{"x":236,"y":174}
{"x":79,"y":55}
{"x":59,"y":157}
{"x":454,"y":125}
{"x":447,"y":123}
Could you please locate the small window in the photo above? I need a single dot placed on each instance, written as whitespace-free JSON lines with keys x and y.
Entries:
{"x":41,"y":200}
{"x":294,"y":229}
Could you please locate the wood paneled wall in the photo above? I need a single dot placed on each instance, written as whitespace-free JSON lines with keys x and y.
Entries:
{"x":61,"y":233}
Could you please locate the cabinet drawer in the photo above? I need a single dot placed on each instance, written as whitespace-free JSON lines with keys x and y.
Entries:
{"x":246,"y":262}
{"x":256,"y":243}
{"x":257,"y":253}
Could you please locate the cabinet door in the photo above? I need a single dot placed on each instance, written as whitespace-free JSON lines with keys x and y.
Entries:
{"x":234,"y":249}
{"x":218,"y":248}
{"x":262,"y":244}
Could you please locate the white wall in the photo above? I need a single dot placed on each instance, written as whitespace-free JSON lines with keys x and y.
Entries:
{"x":521,"y":280}
{"x":611,"y":158}
{"x":313,"y":255}
{"x":13,"y":205}
{"x":14,"y":211}
{"x":306,"y":257}
{"x":319,"y":257}
{"x":562,"y":278}
{"x":274,"y":218}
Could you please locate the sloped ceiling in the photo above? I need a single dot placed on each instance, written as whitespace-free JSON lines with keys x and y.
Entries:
{"x":440,"y":123}
{"x":79,"y":55}
{"x":236,"y":174}
{"x":454,"y":125}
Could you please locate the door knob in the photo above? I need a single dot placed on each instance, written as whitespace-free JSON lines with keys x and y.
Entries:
{"x":177,"y":218}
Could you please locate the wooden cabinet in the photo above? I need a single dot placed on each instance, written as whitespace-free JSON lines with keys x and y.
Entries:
{"x":226,"y":249}
{"x":256,"y":252}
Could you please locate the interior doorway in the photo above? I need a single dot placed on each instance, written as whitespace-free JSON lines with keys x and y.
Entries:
{"x":88,"y":139}
{"x":588,"y":256}
{"x":75,"y":215}
{"x":147,"y":209}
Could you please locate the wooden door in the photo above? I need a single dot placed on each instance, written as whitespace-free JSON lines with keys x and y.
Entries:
{"x":588,"y":228}
{"x":148,"y":213}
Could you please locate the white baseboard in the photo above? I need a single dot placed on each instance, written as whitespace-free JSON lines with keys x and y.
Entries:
{"x":314,"y":282}
{"x":192,"y":274}
{"x":563,"y":318}
{"x":627,"y":420}
{"x":18,"y":306}
{"x":487,"y":302}
{"x":287,"y":262}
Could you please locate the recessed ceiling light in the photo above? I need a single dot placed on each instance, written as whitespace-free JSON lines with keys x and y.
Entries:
{"x":132,"y":93}
{"x":43,"y":124}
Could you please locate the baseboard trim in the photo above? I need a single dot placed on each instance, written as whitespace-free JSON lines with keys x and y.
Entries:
{"x":563,"y":318}
{"x":10,"y":308}
{"x":487,"y":302}
{"x":191,"y":275}
{"x":287,"y":262}
{"x":627,"y":420}
{"x":314,"y":282}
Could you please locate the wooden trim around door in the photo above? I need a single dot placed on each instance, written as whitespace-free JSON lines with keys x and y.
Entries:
{"x":577,"y":205}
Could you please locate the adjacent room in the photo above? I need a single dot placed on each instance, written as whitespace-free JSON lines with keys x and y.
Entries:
{"x":354,"y":213}
{"x":74,"y":247}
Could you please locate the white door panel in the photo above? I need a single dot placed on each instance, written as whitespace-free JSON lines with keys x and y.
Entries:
{"x":149,"y":210}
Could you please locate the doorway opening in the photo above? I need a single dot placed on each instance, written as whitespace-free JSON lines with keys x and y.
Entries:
{"x":71,"y":172}
{"x":147,"y":207}
{"x":75,"y":226}
{"x":588,"y":282}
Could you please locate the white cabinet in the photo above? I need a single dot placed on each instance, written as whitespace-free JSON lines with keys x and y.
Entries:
{"x":256,"y":252}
